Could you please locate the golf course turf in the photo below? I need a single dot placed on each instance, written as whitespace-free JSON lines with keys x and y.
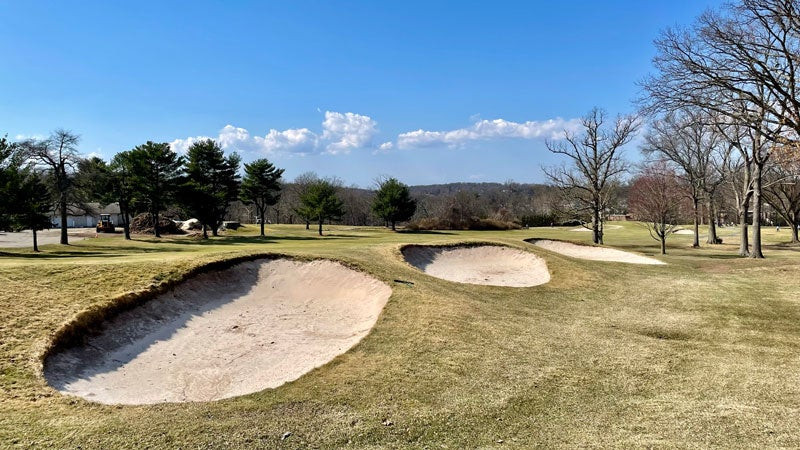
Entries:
{"x":700,"y":351}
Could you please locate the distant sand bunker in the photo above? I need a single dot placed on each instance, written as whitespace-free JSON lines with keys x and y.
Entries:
{"x":593,"y":253}
{"x":254,"y":326}
{"x":683,"y":232}
{"x":485,"y":264}
{"x":589,"y":230}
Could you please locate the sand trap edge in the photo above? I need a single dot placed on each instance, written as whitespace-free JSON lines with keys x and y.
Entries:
{"x":89,"y":321}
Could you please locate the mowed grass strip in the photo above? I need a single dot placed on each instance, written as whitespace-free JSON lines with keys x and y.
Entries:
{"x":702,"y":351}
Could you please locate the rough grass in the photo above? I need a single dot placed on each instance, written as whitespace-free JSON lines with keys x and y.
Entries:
{"x":700,"y":352}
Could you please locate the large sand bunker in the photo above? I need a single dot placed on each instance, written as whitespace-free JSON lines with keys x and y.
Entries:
{"x":593,"y":253}
{"x":485,"y":264}
{"x":254,"y":326}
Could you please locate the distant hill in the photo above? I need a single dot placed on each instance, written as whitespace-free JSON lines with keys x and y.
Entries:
{"x":479,"y":188}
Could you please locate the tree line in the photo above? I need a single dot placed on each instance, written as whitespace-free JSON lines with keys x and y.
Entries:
{"x":721,"y":117}
{"x":41,"y":176}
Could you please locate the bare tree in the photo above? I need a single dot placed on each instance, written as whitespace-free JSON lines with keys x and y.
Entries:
{"x":782,"y":189}
{"x":740,"y":186}
{"x":655,"y":200}
{"x":746,"y":54}
{"x":595,"y":166}
{"x":739,"y":62}
{"x":689,"y":139}
{"x":58,"y":156}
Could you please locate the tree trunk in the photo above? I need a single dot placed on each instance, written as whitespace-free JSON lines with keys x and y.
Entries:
{"x":261,"y":213}
{"x":794,"y":231}
{"x":696,"y":206}
{"x":320,"y":226}
{"x":393,"y":227}
{"x":126,"y":223}
{"x":712,"y":222}
{"x":756,"y":252}
{"x":126,"y":226}
{"x":215,"y":231}
{"x":62,"y":204}
{"x":663,"y":245}
{"x":205,"y":232}
{"x":156,"y":231}
{"x":35,"y":241}
{"x":744,"y":244}
{"x":597,"y":236}
{"x":308,"y":225}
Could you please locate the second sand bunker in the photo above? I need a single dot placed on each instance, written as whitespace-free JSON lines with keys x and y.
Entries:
{"x":485,"y":264}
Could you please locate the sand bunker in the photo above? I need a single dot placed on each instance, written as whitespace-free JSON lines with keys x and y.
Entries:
{"x":254,"y":326}
{"x":593,"y":253}
{"x":683,"y":231}
{"x":589,"y":230}
{"x":486,"y":264}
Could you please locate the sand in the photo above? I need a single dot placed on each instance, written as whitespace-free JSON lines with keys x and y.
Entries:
{"x":593,"y":253}
{"x":606,"y":228}
{"x":486,"y":264}
{"x":254,"y":326}
{"x":683,"y":232}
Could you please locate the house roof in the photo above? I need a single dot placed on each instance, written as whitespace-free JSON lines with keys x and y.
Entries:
{"x":90,"y":209}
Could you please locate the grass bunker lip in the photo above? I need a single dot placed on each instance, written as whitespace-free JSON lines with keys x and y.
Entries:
{"x":235,"y":328}
{"x":592,"y":253}
{"x":478,"y":263}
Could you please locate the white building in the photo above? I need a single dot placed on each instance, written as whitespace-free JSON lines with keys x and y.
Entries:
{"x":87,"y":217}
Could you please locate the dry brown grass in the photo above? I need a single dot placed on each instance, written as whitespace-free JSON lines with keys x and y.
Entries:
{"x":701,"y":352}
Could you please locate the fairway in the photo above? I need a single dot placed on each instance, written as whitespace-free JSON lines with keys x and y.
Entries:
{"x":700,"y":351}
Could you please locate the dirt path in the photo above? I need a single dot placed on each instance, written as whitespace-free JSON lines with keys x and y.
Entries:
{"x":25,"y":238}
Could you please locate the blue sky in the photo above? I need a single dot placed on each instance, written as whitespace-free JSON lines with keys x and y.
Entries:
{"x":429,"y":92}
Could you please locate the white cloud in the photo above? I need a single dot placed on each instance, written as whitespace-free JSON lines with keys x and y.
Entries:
{"x":386,"y":147}
{"x":341,"y":133}
{"x":182,"y":145}
{"x":486,"y":130}
{"x":295,"y":140}
{"x":25,"y":137}
{"x":347,"y":131}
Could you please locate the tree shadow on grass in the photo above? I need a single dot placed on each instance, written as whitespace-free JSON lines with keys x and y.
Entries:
{"x":723,"y":256}
{"x":439,"y":232}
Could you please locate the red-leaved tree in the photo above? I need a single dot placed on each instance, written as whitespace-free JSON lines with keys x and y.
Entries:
{"x":655,"y":200}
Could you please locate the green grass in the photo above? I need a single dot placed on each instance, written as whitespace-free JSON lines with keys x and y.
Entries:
{"x":700,"y":352}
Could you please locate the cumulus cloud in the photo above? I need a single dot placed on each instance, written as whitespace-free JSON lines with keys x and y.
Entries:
{"x":295,"y":140}
{"x":182,"y":145}
{"x":486,"y":130}
{"x":25,"y":137}
{"x":347,"y":131}
{"x":341,"y":133}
